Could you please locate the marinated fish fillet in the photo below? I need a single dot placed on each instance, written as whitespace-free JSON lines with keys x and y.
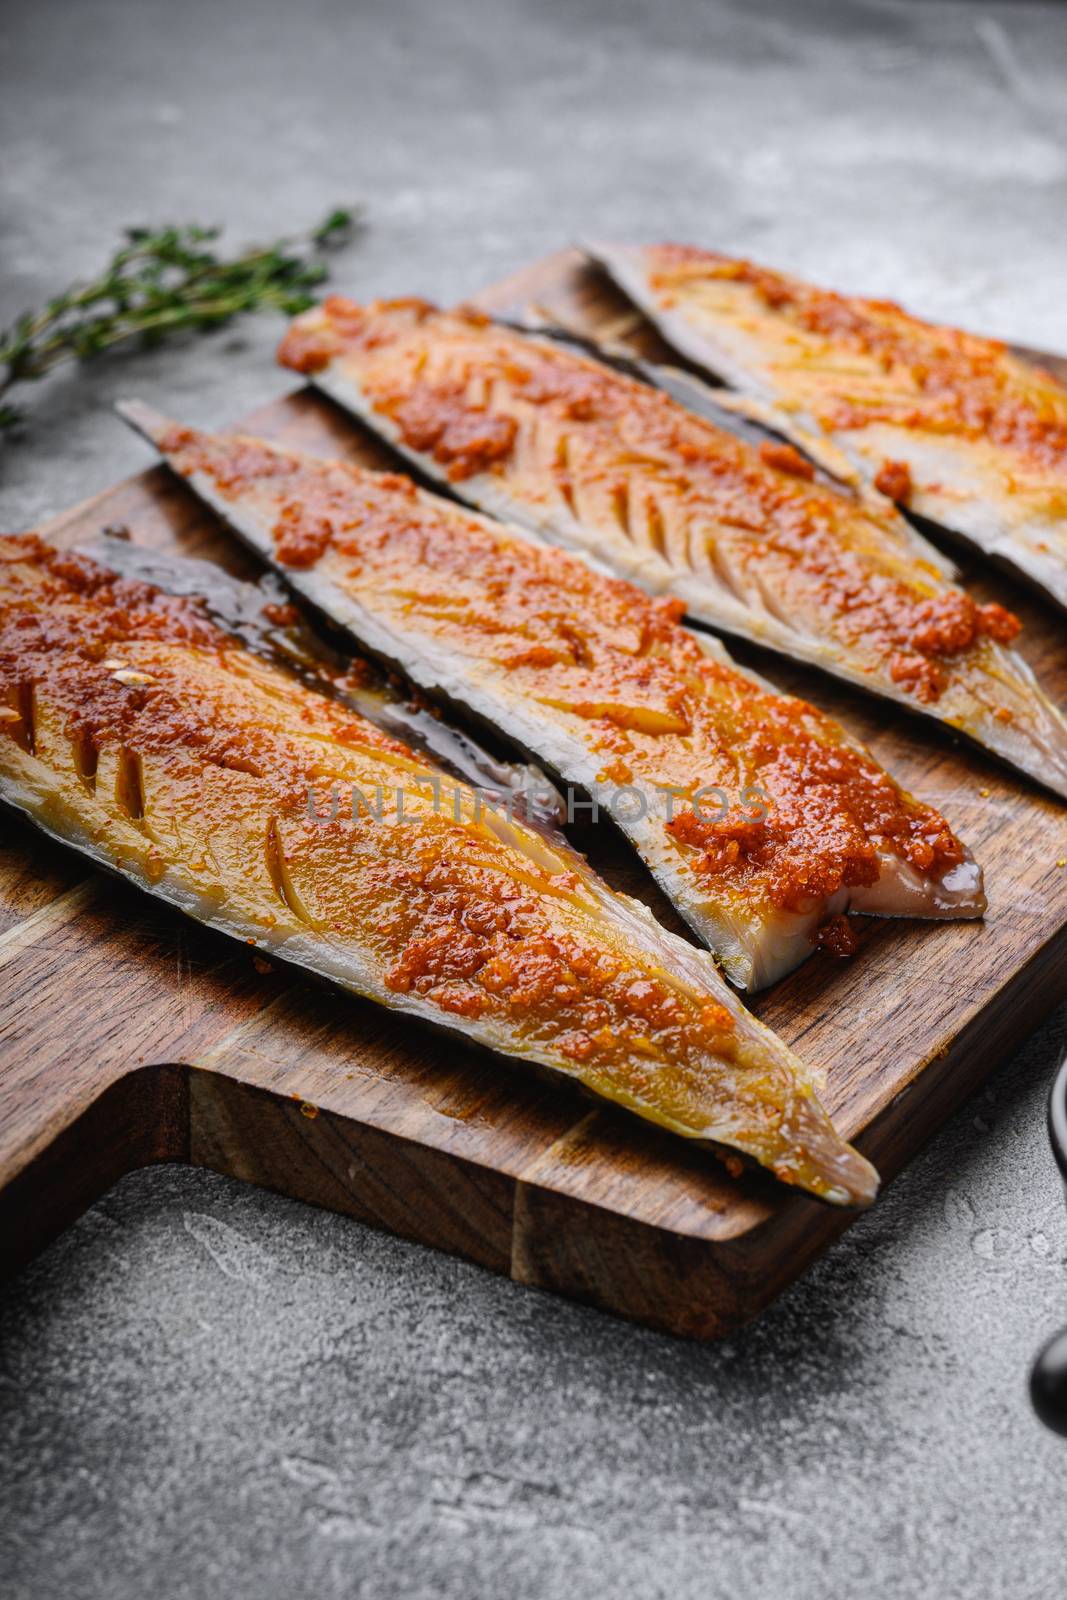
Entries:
{"x":132,"y":728}
{"x":758,"y":815}
{"x":952,"y":426}
{"x":263,"y":618}
{"x":530,"y":431}
{"x":736,"y":412}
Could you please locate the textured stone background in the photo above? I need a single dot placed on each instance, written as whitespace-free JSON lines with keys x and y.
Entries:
{"x":207,"y":1391}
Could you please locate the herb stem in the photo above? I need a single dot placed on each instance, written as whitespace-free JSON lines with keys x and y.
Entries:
{"x":161,"y":282}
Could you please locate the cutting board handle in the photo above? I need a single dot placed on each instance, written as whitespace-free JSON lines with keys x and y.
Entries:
{"x":64,"y":1142}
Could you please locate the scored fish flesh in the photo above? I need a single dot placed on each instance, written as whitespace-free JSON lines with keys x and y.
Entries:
{"x":263,"y":617}
{"x":533,"y":432}
{"x":955,"y":427}
{"x":134,"y":729}
{"x":760,"y":818}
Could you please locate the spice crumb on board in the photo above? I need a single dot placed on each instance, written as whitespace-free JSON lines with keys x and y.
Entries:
{"x":308,"y":1110}
{"x":838,"y":937}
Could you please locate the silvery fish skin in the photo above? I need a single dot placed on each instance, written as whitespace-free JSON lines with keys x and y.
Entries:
{"x":536,"y":434}
{"x":133,"y":729}
{"x":884,"y":388}
{"x":604,"y":686}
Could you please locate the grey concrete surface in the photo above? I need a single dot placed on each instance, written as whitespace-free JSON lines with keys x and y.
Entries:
{"x":207,"y":1391}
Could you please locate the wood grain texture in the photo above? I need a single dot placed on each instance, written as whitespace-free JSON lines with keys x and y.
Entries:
{"x":128,"y":1035}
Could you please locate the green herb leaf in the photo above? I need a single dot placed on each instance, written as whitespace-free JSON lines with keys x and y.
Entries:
{"x":163,"y":281}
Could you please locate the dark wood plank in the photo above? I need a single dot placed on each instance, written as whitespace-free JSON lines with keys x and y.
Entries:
{"x":32,"y":872}
{"x":127,"y":1035}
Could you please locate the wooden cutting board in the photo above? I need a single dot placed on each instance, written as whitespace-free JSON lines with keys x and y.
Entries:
{"x":128,"y":1035}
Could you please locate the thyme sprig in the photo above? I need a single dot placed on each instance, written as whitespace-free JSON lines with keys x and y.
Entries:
{"x":160,"y":282}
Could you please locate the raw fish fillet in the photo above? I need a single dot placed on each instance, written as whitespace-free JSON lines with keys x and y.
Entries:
{"x":137,"y":731}
{"x":759,"y":816}
{"x":534,"y":433}
{"x":952,"y":426}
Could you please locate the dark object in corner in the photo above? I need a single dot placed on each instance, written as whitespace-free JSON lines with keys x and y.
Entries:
{"x":1048,"y":1377}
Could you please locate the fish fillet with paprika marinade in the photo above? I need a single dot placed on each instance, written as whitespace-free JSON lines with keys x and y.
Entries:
{"x":134,"y":729}
{"x":530,"y":431}
{"x":262,"y":616}
{"x":759,"y":816}
{"x":954,"y":427}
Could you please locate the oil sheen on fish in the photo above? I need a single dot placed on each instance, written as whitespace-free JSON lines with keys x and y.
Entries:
{"x":759,"y":816}
{"x":263,"y":617}
{"x":134,"y":729}
{"x":952,"y":426}
{"x":533,"y":432}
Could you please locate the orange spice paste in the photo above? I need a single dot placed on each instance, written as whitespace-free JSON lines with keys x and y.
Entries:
{"x":950,"y":381}
{"x":653,"y":701}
